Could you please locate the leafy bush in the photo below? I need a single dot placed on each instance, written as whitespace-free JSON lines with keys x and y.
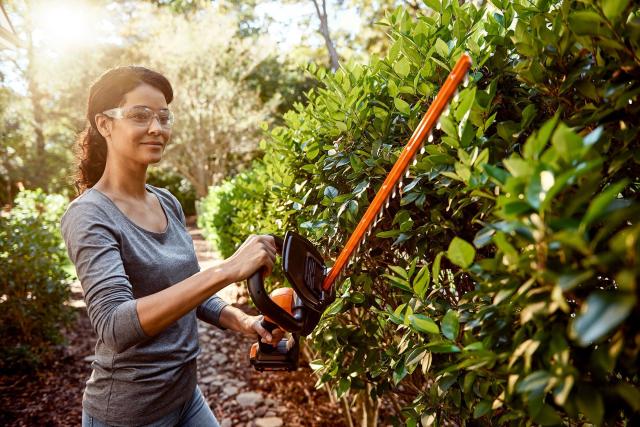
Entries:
{"x":33,"y":286}
{"x":501,"y":287}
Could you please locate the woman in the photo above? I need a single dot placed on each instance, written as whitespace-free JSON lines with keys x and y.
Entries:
{"x":137,"y":266}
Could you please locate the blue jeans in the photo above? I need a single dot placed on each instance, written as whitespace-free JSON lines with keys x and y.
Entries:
{"x":194,"y":413}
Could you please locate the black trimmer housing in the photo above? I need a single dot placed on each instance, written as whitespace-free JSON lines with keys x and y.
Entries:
{"x":305,"y":270}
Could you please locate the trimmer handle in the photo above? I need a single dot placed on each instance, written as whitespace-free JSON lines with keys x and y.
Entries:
{"x":281,"y":356}
{"x":269,"y":308}
{"x":266,"y":305}
{"x":269,"y":326}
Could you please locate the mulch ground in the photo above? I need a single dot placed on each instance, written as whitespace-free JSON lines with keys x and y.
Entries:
{"x":53,"y":394}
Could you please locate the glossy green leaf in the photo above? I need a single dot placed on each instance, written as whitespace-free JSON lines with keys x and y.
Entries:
{"x":402,"y":106}
{"x":482,"y":408}
{"x":585,"y":22}
{"x":598,"y":207}
{"x":330,"y":192}
{"x":450,"y":325}
{"x":424,"y":324}
{"x":500,"y":175}
{"x":601,"y":313}
{"x":435,"y":269}
{"x":441,"y":48}
{"x":399,"y":271}
{"x":613,"y":9}
{"x":443,"y":348}
{"x":461,"y":252}
{"x":566,"y":142}
{"x":436,"y":5}
{"x":534,"y":383}
{"x":421,"y":281}
{"x":402,"y":67}
{"x":467,"y":97}
{"x":399,"y":372}
{"x":343,"y":386}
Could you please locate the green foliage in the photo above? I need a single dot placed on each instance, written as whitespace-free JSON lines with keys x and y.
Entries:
{"x":34,"y":288}
{"x":236,"y":209}
{"x":505,"y":276}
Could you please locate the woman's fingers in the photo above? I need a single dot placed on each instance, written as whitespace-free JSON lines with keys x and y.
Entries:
{"x":263,"y":334}
{"x":277,"y":335}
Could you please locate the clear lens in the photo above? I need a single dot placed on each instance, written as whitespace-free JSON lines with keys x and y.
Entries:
{"x":142,"y":116}
{"x":165,"y":118}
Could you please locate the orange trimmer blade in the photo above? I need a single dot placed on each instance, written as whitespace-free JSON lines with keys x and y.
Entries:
{"x":393,"y":181}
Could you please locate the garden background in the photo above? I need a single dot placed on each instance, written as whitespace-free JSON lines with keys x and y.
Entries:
{"x":500,"y":287}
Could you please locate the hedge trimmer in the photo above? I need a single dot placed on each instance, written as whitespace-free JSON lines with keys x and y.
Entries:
{"x":298,"y":309}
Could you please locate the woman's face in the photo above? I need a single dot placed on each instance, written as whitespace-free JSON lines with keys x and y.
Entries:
{"x":129,"y":138}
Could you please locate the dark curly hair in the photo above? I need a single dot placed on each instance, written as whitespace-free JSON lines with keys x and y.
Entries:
{"x":105,"y":93}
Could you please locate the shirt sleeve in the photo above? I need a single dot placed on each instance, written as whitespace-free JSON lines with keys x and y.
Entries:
{"x":209,"y":311}
{"x":96,"y":253}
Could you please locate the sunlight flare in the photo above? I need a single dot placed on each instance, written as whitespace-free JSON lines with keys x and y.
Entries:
{"x":61,"y":26}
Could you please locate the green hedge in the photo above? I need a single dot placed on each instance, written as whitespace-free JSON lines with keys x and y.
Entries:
{"x":501,"y":287}
{"x":34,"y":287}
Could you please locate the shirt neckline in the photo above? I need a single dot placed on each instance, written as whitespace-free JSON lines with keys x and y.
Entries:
{"x":130,"y":221}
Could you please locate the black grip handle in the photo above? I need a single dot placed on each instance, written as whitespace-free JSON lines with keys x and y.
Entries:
{"x":269,"y":308}
{"x":279,"y":242}
{"x":269,"y":326}
{"x":264,"y":347}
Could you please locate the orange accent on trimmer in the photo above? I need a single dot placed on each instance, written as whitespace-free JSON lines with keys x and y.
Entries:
{"x":410,"y":150}
{"x":284,"y":298}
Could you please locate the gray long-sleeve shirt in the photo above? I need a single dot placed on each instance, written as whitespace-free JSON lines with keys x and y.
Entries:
{"x":136,"y":379}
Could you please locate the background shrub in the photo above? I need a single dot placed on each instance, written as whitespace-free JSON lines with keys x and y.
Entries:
{"x":33,"y":285}
{"x":501,"y":286}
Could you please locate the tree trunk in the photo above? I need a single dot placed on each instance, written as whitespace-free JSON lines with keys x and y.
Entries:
{"x":324,"y":30}
{"x":368,"y":408}
{"x":35,"y":98}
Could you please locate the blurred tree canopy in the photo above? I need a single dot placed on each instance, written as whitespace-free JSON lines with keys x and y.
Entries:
{"x":228,"y":79}
{"x":229,"y":73}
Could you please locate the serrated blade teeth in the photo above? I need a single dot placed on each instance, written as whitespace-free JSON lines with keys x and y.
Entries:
{"x":430,"y":139}
{"x":446,"y":111}
{"x":407,"y":174}
{"x":386,"y":204}
{"x":456,"y":96}
{"x":423,"y":150}
{"x":439,"y":125}
{"x":465,"y":82}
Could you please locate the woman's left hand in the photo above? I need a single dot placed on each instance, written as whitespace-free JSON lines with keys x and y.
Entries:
{"x":253,"y":328}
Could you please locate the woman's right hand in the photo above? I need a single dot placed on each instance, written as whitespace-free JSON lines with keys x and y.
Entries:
{"x":256,"y":252}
